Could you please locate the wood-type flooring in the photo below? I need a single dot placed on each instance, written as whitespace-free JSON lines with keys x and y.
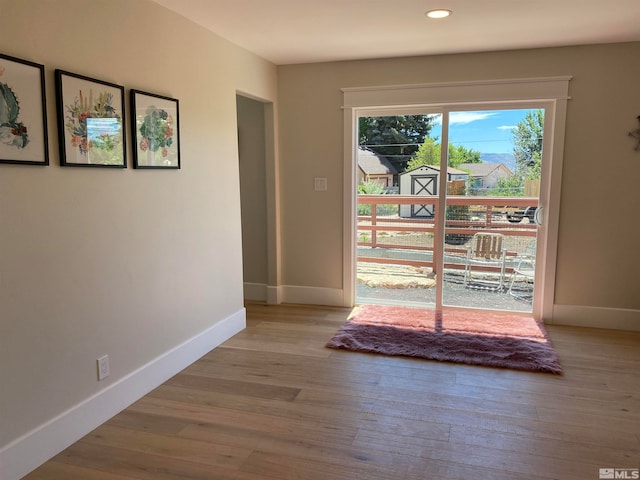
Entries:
{"x":274,"y":403}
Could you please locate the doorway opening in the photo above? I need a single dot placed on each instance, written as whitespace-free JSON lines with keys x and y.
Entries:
{"x":258,"y":199}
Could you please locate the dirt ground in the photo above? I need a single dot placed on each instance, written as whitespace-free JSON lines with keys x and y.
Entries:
{"x":391,"y":284}
{"x":394,"y":276}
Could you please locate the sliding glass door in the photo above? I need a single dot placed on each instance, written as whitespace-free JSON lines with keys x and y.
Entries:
{"x":447,"y":208}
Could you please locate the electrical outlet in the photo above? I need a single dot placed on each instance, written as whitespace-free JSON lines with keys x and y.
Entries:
{"x":103,"y":367}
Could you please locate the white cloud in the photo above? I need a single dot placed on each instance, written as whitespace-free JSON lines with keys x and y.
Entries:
{"x":468,"y":117}
{"x":506,"y":127}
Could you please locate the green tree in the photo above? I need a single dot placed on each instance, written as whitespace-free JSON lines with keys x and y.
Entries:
{"x":459,"y":154}
{"x":512,"y":186}
{"x":396,"y":137}
{"x":429,"y":154}
{"x":527,"y":141}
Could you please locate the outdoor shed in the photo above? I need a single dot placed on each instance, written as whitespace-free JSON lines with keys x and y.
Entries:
{"x":424,"y":181}
{"x":373,"y":167}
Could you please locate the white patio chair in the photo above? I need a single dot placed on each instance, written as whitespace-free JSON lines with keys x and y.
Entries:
{"x":523,"y":274}
{"x":485,"y":254}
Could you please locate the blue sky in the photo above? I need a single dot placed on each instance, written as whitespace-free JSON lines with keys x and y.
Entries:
{"x":487,"y":131}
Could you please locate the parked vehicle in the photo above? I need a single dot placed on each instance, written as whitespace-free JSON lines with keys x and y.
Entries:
{"x":518,"y":215}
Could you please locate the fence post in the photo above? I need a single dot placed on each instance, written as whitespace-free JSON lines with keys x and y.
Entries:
{"x":532,"y":188}
{"x":374,"y":216}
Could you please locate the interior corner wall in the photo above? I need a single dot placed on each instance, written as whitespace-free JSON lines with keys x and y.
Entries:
{"x":142,"y":265}
{"x":596,"y":265}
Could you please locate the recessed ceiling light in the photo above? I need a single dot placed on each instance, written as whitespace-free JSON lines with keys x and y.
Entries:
{"x":438,"y":13}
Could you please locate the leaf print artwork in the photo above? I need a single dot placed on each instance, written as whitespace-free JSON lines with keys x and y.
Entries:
{"x":156,"y":131}
{"x":12,"y":131}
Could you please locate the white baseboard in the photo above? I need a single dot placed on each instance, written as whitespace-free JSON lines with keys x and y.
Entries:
{"x":36,"y":447}
{"x":261,"y":292}
{"x":274,"y":295}
{"x":313,"y":295}
{"x":596,"y":317}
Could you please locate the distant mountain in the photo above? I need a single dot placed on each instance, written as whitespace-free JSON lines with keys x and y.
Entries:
{"x":507,"y":159}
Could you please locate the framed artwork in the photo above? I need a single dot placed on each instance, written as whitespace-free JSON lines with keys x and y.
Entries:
{"x":23,"y":115}
{"x":91,"y":124}
{"x":155,"y":131}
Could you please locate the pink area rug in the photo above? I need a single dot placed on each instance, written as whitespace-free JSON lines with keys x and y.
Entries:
{"x":477,"y":338}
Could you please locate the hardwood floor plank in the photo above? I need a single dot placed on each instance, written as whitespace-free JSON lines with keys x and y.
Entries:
{"x":207,"y":405}
{"x":556,"y":448}
{"x":188,"y":450}
{"x":137,"y":465}
{"x":464,"y":454}
{"x":147,"y":422}
{"x":421,"y":429}
{"x":517,"y":466}
{"x":312,"y":449}
{"x":629,"y":423}
{"x":234,"y":387}
{"x":333,"y":426}
{"x":282,"y":467}
{"x":275,"y":366}
{"x":605,"y":437}
{"x":60,"y":471}
{"x":255,"y":342}
{"x":436,"y":404}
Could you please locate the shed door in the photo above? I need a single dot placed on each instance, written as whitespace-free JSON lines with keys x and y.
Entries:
{"x":423,"y":185}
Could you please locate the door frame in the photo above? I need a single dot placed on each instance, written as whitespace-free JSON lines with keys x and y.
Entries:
{"x":550,"y":93}
{"x":271,"y":290}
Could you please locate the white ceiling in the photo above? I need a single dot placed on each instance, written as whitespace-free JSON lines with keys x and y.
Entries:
{"x":304,"y":31}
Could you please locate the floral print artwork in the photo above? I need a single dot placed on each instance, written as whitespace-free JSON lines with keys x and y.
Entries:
{"x":82,"y":112}
{"x":94,"y":127}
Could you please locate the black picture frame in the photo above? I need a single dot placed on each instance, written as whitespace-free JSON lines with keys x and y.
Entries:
{"x":155,"y":130}
{"x":91,"y":122}
{"x":23,"y":112}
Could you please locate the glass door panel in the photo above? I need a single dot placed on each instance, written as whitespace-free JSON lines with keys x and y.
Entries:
{"x":396,"y":208}
{"x":493,"y":171}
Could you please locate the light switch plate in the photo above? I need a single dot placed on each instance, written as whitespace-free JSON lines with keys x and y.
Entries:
{"x":320,"y":184}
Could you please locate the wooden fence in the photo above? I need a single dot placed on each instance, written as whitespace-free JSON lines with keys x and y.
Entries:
{"x":381,"y":226}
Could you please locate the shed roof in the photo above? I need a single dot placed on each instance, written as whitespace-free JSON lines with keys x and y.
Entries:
{"x":450,"y":170}
{"x":372,"y":163}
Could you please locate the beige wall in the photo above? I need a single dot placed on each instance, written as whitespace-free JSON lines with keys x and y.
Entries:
{"x":598,"y":263}
{"x":128,"y":263}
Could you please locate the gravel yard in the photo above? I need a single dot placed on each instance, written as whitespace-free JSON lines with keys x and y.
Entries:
{"x":381,"y":283}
